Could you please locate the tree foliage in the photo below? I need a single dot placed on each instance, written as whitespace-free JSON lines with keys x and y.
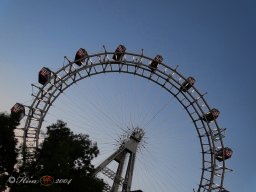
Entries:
{"x":8,"y":151}
{"x":63,"y":155}
{"x":71,"y":152}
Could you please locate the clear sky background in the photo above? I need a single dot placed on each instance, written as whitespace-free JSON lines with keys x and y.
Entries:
{"x":212,"y":40}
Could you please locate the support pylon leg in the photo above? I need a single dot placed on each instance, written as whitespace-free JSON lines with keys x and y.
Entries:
{"x":129,"y":173}
{"x":119,"y":172}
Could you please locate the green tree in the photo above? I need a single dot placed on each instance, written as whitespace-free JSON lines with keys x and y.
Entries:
{"x":8,"y":151}
{"x":64,"y":155}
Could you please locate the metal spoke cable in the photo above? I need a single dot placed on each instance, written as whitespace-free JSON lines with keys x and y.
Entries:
{"x":158,"y":112}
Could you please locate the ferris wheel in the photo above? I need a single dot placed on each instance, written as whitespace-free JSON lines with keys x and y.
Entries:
{"x":53,"y":84}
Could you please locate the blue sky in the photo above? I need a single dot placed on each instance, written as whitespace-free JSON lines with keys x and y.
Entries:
{"x":214,"y":41}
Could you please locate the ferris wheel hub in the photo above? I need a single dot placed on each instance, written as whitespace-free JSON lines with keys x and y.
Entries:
{"x":137,"y":134}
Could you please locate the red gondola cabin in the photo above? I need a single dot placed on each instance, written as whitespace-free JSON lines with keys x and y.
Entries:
{"x":119,"y":53}
{"x":223,"y":154}
{"x":211,"y":115}
{"x":153,"y":65}
{"x":44,"y":75}
{"x":18,"y":111}
{"x":80,"y":56}
{"x":188,"y":83}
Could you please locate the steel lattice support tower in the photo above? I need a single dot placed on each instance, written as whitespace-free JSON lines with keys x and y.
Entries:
{"x":127,"y":150}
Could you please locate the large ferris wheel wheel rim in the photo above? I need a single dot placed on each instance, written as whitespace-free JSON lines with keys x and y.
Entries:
{"x":139,"y":65}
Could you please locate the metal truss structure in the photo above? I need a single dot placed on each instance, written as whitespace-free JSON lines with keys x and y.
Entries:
{"x":209,"y":132}
{"x":128,"y":148}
